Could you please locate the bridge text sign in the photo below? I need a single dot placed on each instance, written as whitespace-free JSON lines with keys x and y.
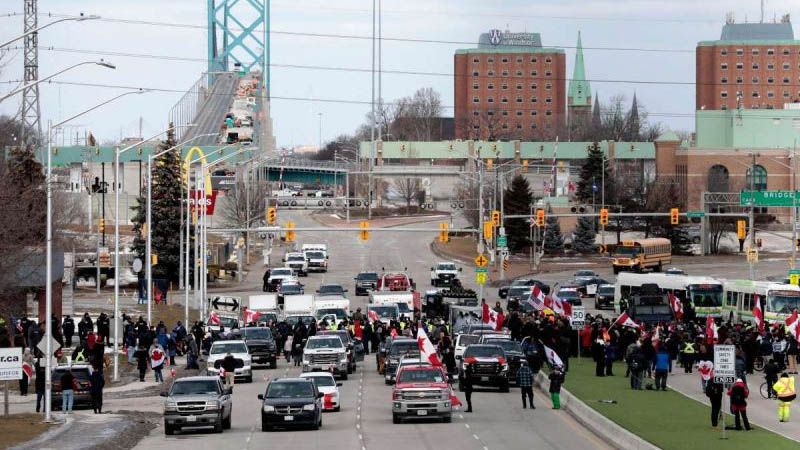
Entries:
{"x":767,"y":198}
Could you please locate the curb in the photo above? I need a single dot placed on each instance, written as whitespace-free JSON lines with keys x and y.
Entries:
{"x":45,"y":437}
{"x":442,"y":255}
{"x":613,"y":434}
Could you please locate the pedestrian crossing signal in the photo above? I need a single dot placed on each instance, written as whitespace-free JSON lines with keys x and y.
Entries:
{"x":443,"y":234}
{"x":364,"y":233}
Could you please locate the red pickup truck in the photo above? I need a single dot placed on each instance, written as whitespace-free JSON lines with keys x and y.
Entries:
{"x":422,"y":392}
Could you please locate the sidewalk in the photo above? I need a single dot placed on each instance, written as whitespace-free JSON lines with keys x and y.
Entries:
{"x":760,"y":411}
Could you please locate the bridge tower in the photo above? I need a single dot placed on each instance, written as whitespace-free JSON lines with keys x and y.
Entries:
{"x":238,"y":32}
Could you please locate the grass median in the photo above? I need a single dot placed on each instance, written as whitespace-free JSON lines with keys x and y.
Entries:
{"x":666,"y":419}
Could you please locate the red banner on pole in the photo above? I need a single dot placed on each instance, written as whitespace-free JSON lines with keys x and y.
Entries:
{"x":209,"y":200}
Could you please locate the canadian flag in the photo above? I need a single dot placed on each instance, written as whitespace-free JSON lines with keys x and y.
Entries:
{"x":558,"y":306}
{"x":625,"y":321}
{"x":706,"y":369}
{"x":157,"y":357}
{"x":373,"y":316}
{"x":712,"y":335}
{"x":656,"y":339}
{"x":677,"y":306}
{"x":536,"y":299}
{"x":214,"y":318}
{"x":793,"y":325}
{"x":758,"y":314}
{"x":393,"y":333}
{"x":553,"y":357}
{"x":251,"y":316}
{"x":492,"y":318}
{"x":26,"y":367}
{"x":426,"y":348}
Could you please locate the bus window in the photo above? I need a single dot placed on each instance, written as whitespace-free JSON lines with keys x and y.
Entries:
{"x":730,"y":299}
{"x":747,"y":303}
{"x":783,"y":302}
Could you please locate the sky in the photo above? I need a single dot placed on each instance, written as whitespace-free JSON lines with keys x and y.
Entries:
{"x":628,"y":45}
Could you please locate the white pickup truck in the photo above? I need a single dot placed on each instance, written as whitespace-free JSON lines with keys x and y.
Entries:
{"x":297,"y":262}
{"x":403,"y":300}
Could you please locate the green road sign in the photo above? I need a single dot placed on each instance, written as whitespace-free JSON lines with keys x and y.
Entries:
{"x":794,"y":271}
{"x":766,"y":198}
{"x":502,"y":241}
{"x":481,"y":270}
{"x":695,"y":214}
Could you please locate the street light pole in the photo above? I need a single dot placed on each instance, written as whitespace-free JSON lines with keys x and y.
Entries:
{"x":751,"y":215}
{"x":80,"y":18}
{"x":22,"y":88}
{"x":48,"y":384}
{"x":793,"y":262}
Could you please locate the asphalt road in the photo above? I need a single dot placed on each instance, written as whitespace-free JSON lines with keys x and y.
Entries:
{"x":365,"y":420}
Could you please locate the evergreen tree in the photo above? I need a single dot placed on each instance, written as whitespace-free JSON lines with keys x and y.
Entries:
{"x":592,"y":176}
{"x":517,"y":200}
{"x":166,"y":213}
{"x":583,"y":239}
{"x":26,"y":197}
{"x":553,"y":239}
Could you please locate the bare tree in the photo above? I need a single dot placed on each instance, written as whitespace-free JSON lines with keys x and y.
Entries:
{"x":407,"y":189}
{"x":234,"y":207}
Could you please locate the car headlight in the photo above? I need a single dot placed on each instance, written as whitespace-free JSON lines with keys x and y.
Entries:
{"x":309,"y":407}
{"x":212,"y":404}
{"x":170,"y":406}
{"x":445,"y":394}
{"x":343,"y":358}
{"x":269,"y":408}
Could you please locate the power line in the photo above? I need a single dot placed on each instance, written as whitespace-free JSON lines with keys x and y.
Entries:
{"x":364,"y":37}
{"x":767,"y":114}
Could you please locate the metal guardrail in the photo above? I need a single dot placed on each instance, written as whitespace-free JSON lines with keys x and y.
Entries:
{"x":187,"y":107}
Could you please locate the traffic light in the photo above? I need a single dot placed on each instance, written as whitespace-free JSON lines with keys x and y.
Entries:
{"x":604,"y":216}
{"x":154,"y":259}
{"x":272,"y":215}
{"x":741,"y":229}
{"x":101,"y":225}
{"x":290,"y":235}
{"x":144,"y":229}
{"x":674,"y":216}
{"x":364,"y":233}
{"x":524,"y":166}
{"x":488,"y":229}
{"x":443,"y":236}
{"x":489,"y":164}
{"x":540,"y":217}
{"x":496,"y":218}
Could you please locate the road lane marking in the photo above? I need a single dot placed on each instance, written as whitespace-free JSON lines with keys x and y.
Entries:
{"x":466,"y":425}
{"x":476,"y":437}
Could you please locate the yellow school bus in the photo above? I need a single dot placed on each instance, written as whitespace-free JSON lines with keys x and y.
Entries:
{"x":640,"y":254}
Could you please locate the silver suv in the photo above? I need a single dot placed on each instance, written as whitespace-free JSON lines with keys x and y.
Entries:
{"x":197,"y":402}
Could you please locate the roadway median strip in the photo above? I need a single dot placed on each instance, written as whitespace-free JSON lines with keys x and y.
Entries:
{"x":668,"y":420}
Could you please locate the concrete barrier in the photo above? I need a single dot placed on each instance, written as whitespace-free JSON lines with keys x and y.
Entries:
{"x":603,"y":427}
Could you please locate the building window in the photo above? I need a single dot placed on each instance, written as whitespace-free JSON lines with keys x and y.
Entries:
{"x":519,"y":113}
{"x":770,"y":94}
{"x":505,"y":126}
{"x":786,"y":52}
{"x":533,"y":127}
{"x":755,"y":66}
{"x":740,"y":66}
{"x":534,"y":73}
{"x":490,"y":60}
{"x":490,"y":86}
{"x":723,"y":80}
{"x":759,"y":182}
{"x":476,"y":60}
{"x":755,"y":80}
{"x":504,"y":87}
{"x":533,"y":99}
{"x":755,"y":94}
{"x":548,"y":113}
{"x":770,"y":66}
{"x":548,"y":60}
{"x":489,"y":99}
{"x":723,"y":66}
{"x":519,"y":126}
{"x":519,"y":99}
{"x":504,"y":100}
{"x":785,"y":66}
{"x":723,"y":94}
{"x":755,"y":52}
{"x":534,"y":60}
{"x":519,"y":73}
{"x":724,"y":52}
{"x":770,"y":51}
{"x":548,"y":100}
{"x":785,"y":80}
{"x":723,"y":107}
{"x":718,"y":176}
{"x":770,"y":80}
{"x":476,"y":100}
{"x":476,"y":113}
{"x":505,"y":60}
{"x":740,"y":51}
{"x":505,"y":113}
{"x":519,"y":87}
{"x":533,"y":113}
{"x":519,"y":60}
{"x":490,"y":73}
{"x":739,"y":80}
{"x":533,"y":87}
{"x":476,"y":86}
{"x":548,"y":86}
{"x":505,"y":73}
{"x":476,"y":74}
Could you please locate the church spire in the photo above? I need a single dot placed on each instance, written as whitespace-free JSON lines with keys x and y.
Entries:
{"x":597,"y":121}
{"x":579,"y":93}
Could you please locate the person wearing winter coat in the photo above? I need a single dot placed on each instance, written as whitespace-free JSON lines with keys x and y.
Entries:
{"x":97,"y":382}
{"x":142,"y":361}
{"x":738,"y":394}
{"x":662,"y":368}
{"x":556,"y":380}
{"x":784,"y":389}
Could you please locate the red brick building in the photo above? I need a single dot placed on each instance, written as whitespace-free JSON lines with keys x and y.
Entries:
{"x":509,"y":87}
{"x":756,"y":62}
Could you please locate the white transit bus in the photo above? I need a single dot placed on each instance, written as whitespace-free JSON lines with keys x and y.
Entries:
{"x":704,"y":294}
{"x":778,"y":300}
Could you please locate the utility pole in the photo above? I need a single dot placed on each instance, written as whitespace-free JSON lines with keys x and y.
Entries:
{"x":751,"y":216}
{"x":372,"y":128}
{"x":31,"y":116}
{"x":480,"y":215}
{"x":502,"y":227}
{"x":793,"y":262}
